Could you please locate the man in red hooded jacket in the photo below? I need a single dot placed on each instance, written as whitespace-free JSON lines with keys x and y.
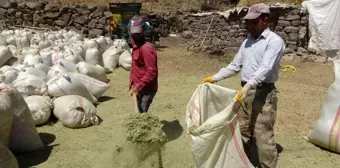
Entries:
{"x":144,"y":69}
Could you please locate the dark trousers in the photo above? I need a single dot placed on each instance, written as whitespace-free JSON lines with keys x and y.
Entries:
{"x":144,"y":100}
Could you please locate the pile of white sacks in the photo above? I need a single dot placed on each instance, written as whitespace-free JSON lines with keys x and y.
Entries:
{"x":52,"y":73}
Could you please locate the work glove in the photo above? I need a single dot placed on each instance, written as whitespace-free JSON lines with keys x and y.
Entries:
{"x":242,"y":93}
{"x":208,"y":80}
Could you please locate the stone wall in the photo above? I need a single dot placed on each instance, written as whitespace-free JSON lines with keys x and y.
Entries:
{"x":227,"y":33}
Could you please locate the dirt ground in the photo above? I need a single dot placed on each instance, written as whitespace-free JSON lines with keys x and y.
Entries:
{"x":180,"y":72}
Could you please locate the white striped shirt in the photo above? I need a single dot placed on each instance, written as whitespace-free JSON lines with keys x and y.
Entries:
{"x":258,"y":60}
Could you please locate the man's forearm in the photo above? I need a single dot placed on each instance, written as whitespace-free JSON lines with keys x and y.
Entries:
{"x":223,"y":74}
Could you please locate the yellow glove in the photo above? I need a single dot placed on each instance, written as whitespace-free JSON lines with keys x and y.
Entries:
{"x":243,"y":92}
{"x":208,"y":80}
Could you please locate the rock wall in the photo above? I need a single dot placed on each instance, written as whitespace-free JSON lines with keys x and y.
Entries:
{"x":217,"y":33}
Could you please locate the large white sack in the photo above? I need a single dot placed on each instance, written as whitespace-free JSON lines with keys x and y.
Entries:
{"x":121,"y":43}
{"x":78,"y":50}
{"x":324,"y":28}
{"x":42,"y":67}
{"x":46,"y":56}
{"x":96,"y":87}
{"x":214,"y":128}
{"x":109,"y":41}
{"x":73,"y":58}
{"x":94,"y":71}
{"x":3,"y":41}
{"x":75,"y":111}
{"x":9,"y":73}
{"x":325,"y":131}
{"x":36,"y":72}
{"x":20,"y":66}
{"x":68,"y":65}
{"x":24,"y":136}
{"x":7,"y":159}
{"x":44,"y":44}
{"x":10,"y":40}
{"x":63,"y":84}
{"x":6,"y":119}
{"x":94,"y":56}
{"x":5,"y":55}
{"x":101,"y":41}
{"x":55,"y":69}
{"x":56,"y":57}
{"x":90,"y":43}
{"x":28,"y":85}
{"x":40,"y":107}
{"x":31,"y":59}
{"x":111,"y":57}
{"x":22,"y":41}
{"x":125,"y":60}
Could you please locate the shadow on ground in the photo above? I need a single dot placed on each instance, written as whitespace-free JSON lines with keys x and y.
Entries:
{"x":172,"y":129}
{"x":31,"y":159}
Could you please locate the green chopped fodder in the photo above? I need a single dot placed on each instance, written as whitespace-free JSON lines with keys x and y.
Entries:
{"x":144,"y":129}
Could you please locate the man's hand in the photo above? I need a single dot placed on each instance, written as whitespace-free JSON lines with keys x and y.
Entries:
{"x":134,"y":91}
{"x":208,"y":80}
{"x":242,"y":94}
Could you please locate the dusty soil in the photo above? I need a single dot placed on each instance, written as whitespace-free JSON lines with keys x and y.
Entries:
{"x":180,"y":72}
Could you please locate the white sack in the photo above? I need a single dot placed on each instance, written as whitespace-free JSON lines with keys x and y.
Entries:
{"x":93,"y":56}
{"x":63,"y":84}
{"x":68,"y":65}
{"x":214,"y":128}
{"x":101,"y":41}
{"x":46,"y":56}
{"x":56,"y":57}
{"x":94,"y":71}
{"x":28,"y":85}
{"x":324,"y":132}
{"x":9,"y":73}
{"x":73,"y":58}
{"x":42,"y":67}
{"x":78,"y":50}
{"x":40,"y":107}
{"x":36,"y":72}
{"x":44,"y":44}
{"x":24,"y":136}
{"x":10,"y":40}
{"x":31,"y":60}
{"x":96,"y":87}
{"x":3,"y":41}
{"x":109,"y":41}
{"x":125,"y":60}
{"x":56,"y":69}
{"x":5,"y":55}
{"x":22,"y":41}
{"x":6,"y":119}
{"x":90,"y":43}
{"x":111,"y":57}
{"x":121,"y":43}
{"x":324,"y":26}
{"x":75,"y":111}
{"x":7,"y":159}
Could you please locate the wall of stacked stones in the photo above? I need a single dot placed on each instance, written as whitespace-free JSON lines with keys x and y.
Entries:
{"x":218,"y":34}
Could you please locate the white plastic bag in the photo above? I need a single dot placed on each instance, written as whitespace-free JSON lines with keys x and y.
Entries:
{"x":42,"y":67}
{"x":7,"y":159}
{"x":125,"y":60}
{"x":96,"y":87}
{"x":56,"y":69}
{"x":28,"y":85}
{"x":36,"y":72}
{"x":68,"y":65}
{"x":63,"y":84}
{"x":24,"y":136}
{"x":40,"y":107}
{"x":214,"y":128}
{"x":31,"y":60}
{"x":94,"y":71}
{"x":325,"y":131}
{"x":111,"y":57}
{"x":5,"y":55}
{"x":9,"y":73}
{"x":75,"y":111}
{"x":94,"y":56}
{"x":6,"y":119}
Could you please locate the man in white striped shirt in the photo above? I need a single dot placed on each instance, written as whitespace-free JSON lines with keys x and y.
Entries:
{"x":258,"y":60}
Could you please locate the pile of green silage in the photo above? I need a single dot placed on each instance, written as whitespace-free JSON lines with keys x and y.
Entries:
{"x":144,"y":129}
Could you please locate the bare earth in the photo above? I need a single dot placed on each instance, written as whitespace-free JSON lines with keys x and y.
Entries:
{"x":180,"y":72}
